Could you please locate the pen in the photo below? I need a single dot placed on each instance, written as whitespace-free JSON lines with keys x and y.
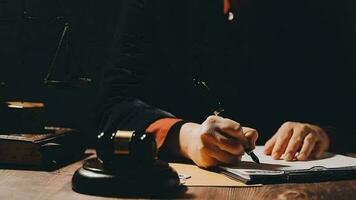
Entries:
{"x":216,"y":107}
{"x":250,"y":152}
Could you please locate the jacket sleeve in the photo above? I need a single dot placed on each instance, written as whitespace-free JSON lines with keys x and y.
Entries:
{"x":130,"y":63}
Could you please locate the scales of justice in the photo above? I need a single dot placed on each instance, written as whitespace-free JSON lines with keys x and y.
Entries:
{"x":26,"y":134}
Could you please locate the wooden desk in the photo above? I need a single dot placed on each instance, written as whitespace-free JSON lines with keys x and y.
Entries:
{"x":56,"y":185}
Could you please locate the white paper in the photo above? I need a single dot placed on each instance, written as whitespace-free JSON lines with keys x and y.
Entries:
{"x":270,"y":166}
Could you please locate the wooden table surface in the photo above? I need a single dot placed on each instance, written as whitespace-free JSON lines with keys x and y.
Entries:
{"x":56,"y":185}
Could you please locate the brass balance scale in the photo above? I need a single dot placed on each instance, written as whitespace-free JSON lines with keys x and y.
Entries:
{"x":25,"y":137}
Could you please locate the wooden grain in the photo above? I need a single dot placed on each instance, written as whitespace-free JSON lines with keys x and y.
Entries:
{"x":327,"y":190}
{"x":56,"y":185}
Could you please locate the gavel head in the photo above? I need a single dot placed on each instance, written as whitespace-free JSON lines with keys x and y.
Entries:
{"x":126,"y":149}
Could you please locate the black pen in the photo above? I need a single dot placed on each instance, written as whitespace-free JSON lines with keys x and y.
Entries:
{"x":250,"y":152}
{"x":217,"y":108}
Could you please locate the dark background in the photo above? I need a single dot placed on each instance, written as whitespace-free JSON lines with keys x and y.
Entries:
{"x":29,"y":34}
{"x":30,"y":31}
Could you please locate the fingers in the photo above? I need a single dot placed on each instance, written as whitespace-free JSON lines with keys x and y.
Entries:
{"x":223,"y":141}
{"x":226,"y":126}
{"x":322,"y":144}
{"x":232,"y":128}
{"x":320,"y":148}
{"x":218,"y":149}
{"x":308,"y":146}
{"x":229,"y":145}
{"x":297,"y":140}
{"x":229,"y":135}
{"x":206,"y":160}
{"x":221,"y":156}
{"x":283,"y":136}
{"x":251,"y":135}
{"x":269,"y":145}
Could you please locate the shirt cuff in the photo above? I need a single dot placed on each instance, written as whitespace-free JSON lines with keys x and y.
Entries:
{"x":160,"y":129}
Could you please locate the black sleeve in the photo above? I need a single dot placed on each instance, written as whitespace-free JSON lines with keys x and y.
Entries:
{"x":129,"y":65}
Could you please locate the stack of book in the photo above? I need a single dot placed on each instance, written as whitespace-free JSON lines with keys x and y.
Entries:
{"x":48,"y":149}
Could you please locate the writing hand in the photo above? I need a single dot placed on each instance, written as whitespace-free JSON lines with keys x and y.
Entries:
{"x":217,"y":141}
{"x":297,"y":140}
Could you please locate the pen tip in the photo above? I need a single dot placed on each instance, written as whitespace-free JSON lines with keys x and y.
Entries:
{"x":254,"y":158}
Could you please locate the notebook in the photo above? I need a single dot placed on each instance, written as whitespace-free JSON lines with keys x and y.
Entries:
{"x":329,"y":167}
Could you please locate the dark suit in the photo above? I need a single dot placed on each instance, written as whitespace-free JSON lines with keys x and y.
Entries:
{"x":277,"y":61}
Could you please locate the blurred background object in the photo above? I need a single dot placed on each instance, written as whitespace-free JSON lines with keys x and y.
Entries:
{"x":67,"y":38}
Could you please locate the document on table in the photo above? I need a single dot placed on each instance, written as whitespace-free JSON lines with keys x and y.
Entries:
{"x":204,"y":178}
{"x":329,"y":166}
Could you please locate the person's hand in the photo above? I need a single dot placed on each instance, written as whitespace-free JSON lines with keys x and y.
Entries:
{"x":299,"y":141}
{"x":217,"y":141}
